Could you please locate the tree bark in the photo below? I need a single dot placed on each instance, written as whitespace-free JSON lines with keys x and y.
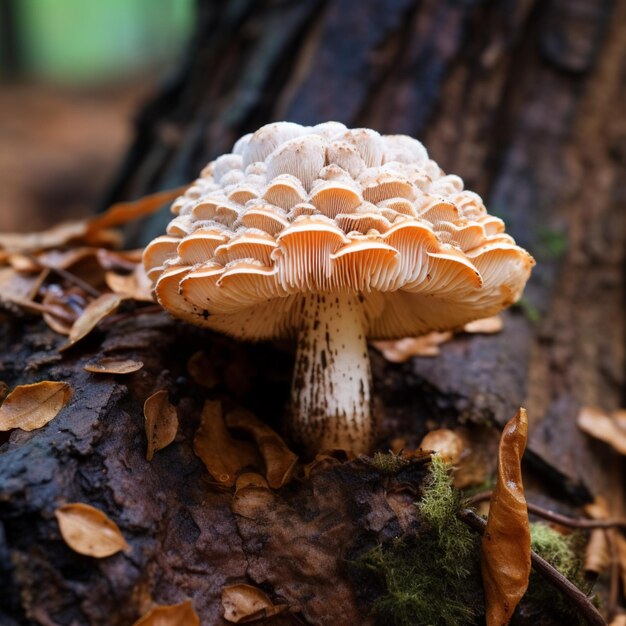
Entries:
{"x":522,"y":100}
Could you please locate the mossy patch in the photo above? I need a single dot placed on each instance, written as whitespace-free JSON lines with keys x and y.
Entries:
{"x":433,"y":577}
{"x":543,"y":604}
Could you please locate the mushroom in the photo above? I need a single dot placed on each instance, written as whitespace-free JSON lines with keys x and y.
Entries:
{"x":332,"y":236}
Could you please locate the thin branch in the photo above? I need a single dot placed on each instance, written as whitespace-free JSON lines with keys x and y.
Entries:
{"x":72,"y":278}
{"x":557,"y":518}
{"x":549,"y":573}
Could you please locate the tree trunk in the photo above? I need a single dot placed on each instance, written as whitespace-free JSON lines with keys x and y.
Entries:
{"x":522,"y":100}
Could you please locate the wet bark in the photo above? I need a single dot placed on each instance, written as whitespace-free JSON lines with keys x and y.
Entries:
{"x":521,"y":99}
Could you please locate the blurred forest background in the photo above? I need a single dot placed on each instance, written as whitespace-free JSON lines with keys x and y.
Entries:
{"x":72,"y":75}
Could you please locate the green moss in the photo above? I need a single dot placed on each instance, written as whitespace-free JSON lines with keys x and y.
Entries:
{"x":542,"y":601}
{"x":432,"y":578}
{"x":388,"y":462}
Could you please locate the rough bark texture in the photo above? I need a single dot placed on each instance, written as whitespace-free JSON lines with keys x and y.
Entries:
{"x":520,"y":98}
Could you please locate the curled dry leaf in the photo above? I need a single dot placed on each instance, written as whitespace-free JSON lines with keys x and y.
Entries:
{"x":95,"y":311}
{"x":161,"y":422}
{"x":87,"y":530}
{"x":29,"y":407}
{"x":402,"y":350}
{"x":245,"y":603}
{"x":505,"y":562}
{"x":135,"y":285}
{"x":485,"y":326}
{"x":112,"y":365}
{"x":279,"y":459}
{"x":609,"y":428}
{"x":201,"y":369}
{"x":444,"y":442}
{"x":224,"y":457}
{"x":170,"y":615}
{"x":62,"y":309}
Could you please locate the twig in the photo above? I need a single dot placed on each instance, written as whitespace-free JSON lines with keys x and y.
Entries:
{"x":557,"y":518}
{"x":72,"y":278}
{"x":549,"y":573}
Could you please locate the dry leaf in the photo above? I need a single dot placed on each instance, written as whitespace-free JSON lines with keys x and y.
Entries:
{"x":224,"y":457}
{"x":402,"y":350}
{"x":93,"y":229}
{"x":505,"y":562}
{"x":95,"y":311}
{"x":135,"y":285}
{"x":89,"y":531}
{"x":54,"y":237}
{"x":170,"y":615}
{"x":279,"y":459}
{"x":16,"y":287}
{"x":113,"y":365}
{"x":29,"y":407}
{"x":124,"y":212}
{"x":201,"y":369}
{"x":444,"y":442}
{"x":597,"y":552}
{"x":608,"y":428}
{"x":485,"y":326}
{"x":250,"y":479}
{"x":245,"y":603}
{"x":620,"y":544}
{"x":161,"y":422}
{"x":62,"y":308}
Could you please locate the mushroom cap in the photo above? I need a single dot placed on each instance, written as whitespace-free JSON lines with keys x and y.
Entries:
{"x":297,"y":209}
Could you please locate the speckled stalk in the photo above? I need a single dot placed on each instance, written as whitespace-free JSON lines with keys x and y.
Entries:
{"x":331,"y":402}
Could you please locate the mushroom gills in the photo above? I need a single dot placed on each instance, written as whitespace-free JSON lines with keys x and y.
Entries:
{"x":330,"y":396}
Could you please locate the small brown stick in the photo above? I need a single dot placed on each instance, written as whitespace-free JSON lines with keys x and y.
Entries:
{"x":547,"y":571}
{"x":72,"y":278}
{"x":557,"y":518}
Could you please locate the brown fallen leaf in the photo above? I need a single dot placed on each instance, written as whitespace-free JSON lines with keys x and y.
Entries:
{"x":61,"y":313}
{"x":87,"y":530}
{"x":202,"y":370}
{"x":54,"y":237}
{"x":280,"y":461}
{"x":485,"y":326}
{"x":95,"y":311}
{"x":250,"y":479}
{"x":135,"y":285}
{"x":401,"y":350}
{"x":88,"y":229}
{"x":29,"y":407}
{"x":444,"y":442}
{"x":610,"y":428}
{"x":17,"y":287}
{"x":170,"y":615}
{"x":113,"y":365}
{"x":161,"y":422}
{"x":505,"y":562}
{"x":224,"y":457}
{"x":245,"y":603}
{"x":597,"y":552}
{"x":620,"y":544}
{"x":124,"y":212}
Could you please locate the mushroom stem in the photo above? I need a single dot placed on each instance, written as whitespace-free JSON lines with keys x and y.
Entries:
{"x":330,"y":394}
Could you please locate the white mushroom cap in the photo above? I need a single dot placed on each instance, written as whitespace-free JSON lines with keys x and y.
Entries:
{"x":295,"y":210}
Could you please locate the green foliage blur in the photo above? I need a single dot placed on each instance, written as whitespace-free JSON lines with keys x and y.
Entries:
{"x":92,"y":41}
